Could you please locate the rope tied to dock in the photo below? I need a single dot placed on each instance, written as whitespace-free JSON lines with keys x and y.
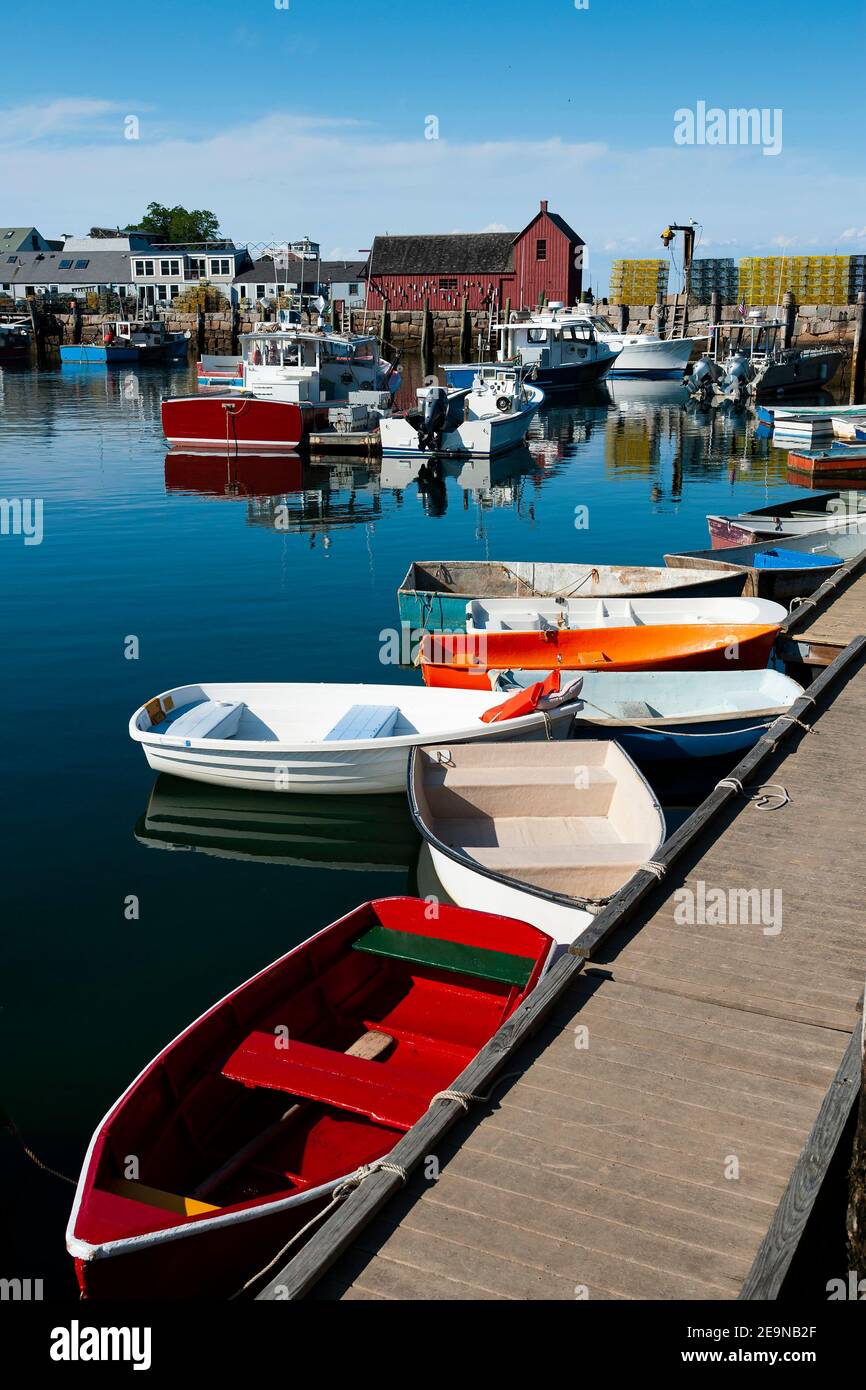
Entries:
{"x":340,"y":1192}
{"x":7,"y":1122}
{"x":653,"y":866}
{"x":466,"y":1098}
{"x":762,"y":796}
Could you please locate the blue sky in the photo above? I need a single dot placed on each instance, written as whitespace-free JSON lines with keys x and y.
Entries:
{"x":312,"y":119}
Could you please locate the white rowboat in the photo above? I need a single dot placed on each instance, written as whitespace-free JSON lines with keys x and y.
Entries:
{"x":547,"y":833}
{"x":317,"y":738}
{"x":535,"y":614}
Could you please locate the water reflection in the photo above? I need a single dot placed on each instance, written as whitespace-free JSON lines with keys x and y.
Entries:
{"x":335,"y":832}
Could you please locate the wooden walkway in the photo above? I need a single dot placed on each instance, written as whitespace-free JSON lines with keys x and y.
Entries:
{"x":822,"y":627}
{"x":651,"y":1143}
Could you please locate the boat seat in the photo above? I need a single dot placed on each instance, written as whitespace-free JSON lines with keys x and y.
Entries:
{"x":466,"y":778}
{"x":331,"y":1078}
{"x":156,"y":1197}
{"x":362,"y":722}
{"x":510,"y":859}
{"x":446,"y":955}
{"x":208,"y":719}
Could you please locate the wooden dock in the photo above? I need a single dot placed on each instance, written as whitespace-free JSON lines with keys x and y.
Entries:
{"x":665,"y":1105}
{"x":823,"y":625}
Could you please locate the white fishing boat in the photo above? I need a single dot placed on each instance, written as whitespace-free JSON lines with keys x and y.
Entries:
{"x":546,"y":833}
{"x":489,"y":419}
{"x":640,"y":354}
{"x":749,"y":359}
{"x":831,"y":513}
{"x":318,"y":738}
{"x":670,"y":714}
{"x":540,"y":614}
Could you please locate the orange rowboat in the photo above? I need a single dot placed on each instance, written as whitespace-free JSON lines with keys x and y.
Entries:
{"x":464,"y":659}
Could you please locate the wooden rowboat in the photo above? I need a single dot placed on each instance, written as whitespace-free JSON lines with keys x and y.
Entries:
{"x":346,"y":739}
{"x":434,"y":593}
{"x":241,"y":1129}
{"x":828,"y":511}
{"x":552,"y":831}
{"x":792,"y":567}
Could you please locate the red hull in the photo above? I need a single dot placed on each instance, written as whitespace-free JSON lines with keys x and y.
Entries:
{"x":426,"y":993}
{"x":238,"y":423}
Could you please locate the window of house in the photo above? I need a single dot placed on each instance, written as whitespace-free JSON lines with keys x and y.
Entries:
{"x":197,"y":267}
{"x":161,"y":293}
{"x":144,"y":268}
{"x":174,"y":290}
{"x":220,"y":267}
{"x":447,"y":282}
{"x":354,"y":289}
{"x":541,"y":249}
{"x":82,"y":265}
{"x":169,"y":267}
{"x":65,"y":265}
{"x":260,"y":291}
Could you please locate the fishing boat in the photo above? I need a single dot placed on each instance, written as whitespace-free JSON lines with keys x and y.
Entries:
{"x":243,"y":1127}
{"x":294,"y":381}
{"x":559,"y":348}
{"x":434,"y":593}
{"x":220,"y":369}
{"x":640,"y":355}
{"x":463,"y":660}
{"x":14,"y":342}
{"x":548,"y":833}
{"x":802,"y":516}
{"x":662,"y":715}
{"x":749,"y":359}
{"x":293,"y":831}
{"x":491,"y":418}
{"x":130,"y":340}
{"x":308,"y":738}
{"x":528,"y":614}
{"x":778,"y":570}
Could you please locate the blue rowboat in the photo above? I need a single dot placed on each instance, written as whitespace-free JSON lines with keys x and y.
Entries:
{"x":661,"y":715}
{"x":434,"y":593}
{"x":792,"y":569}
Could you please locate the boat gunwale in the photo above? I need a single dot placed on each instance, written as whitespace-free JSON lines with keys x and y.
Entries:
{"x":466,"y":861}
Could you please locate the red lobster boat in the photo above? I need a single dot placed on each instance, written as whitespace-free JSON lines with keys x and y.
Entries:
{"x":239,"y":423}
{"x":243,"y":1126}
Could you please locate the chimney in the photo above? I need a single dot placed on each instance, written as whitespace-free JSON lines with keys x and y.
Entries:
{"x":544,"y":205}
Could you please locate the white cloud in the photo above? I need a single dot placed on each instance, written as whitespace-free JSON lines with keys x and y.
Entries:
{"x":25,"y":125}
{"x":853,"y":234}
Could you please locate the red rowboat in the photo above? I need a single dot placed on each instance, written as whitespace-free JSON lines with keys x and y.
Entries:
{"x":232,"y":1139}
{"x":464,"y":659}
{"x":239,"y":423}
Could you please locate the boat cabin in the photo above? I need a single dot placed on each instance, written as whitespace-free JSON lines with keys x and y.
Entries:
{"x":296,"y":366}
{"x":547,"y":340}
{"x":136,"y":332}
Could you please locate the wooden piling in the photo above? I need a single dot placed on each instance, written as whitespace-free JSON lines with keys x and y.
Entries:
{"x":427,"y":340}
{"x":858,"y":362}
{"x":384,"y":324}
{"x":660,"y":314}
{"x":789,"y":313}
{"x":465,"y":331}
{"x":199,"y":330}
{"x":623,"y":317}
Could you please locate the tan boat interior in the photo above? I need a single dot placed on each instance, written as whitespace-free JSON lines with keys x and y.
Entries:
{"x":570,"y":817}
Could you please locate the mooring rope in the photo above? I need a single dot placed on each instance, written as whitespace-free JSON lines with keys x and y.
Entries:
{"x":6,"y":1122}
{"x":348,"y":1185}
{"x":762,"y":796}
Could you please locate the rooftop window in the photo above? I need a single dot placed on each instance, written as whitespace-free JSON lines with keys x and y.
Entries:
{"x":65,"y":265}
{"x":82,"y":265}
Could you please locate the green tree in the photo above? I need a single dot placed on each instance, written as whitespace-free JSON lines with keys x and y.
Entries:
{"x":178,"y":224}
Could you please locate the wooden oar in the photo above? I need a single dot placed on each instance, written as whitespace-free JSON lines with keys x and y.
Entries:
{"x":369,"y":1046}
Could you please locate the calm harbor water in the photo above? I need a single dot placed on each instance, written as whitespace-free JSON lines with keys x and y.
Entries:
{"x":289,"y":573}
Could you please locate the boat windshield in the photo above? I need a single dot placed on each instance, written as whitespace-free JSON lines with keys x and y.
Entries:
{"x":603,"y":325}
{"x":269,"y":351}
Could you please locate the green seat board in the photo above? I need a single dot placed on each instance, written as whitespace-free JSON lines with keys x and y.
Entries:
{"x":446,"y":955}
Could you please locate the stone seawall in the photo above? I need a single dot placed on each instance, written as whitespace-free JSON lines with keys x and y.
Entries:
{"x":218,"y":332}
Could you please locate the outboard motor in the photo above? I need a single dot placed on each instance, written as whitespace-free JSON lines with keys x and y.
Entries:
{"x":704,"y":376}
{"x":734,"y":385}
{"x":430,"y":421}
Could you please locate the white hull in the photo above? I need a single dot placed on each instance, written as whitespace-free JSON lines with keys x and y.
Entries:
{"x":469,"y":889}
{"x":535,"y":614}
{"x":653,"y":357}
{"x":484,"y":438}
{"x":289,"y":762}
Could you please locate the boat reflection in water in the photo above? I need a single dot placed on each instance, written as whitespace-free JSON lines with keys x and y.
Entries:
{"x":372,"y":833}
{"x":488,"y":482}
{"x":233,"y":475}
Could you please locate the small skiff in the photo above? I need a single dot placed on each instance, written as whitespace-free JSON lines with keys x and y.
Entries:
{"x":781,"y":570}
{"x":804,"y":516}
{"x":434,"y":593}
{"x":244,"y":1125}
{"x":317,"y":738}
{"x":489,"y":419}
{"x":548,"y":833}
{"x":657,"y":715}
{"x":546,"y":614}
{"x":462,"y":660}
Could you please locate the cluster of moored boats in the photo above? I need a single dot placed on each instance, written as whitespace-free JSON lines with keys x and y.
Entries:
{"x":547,"y":688}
